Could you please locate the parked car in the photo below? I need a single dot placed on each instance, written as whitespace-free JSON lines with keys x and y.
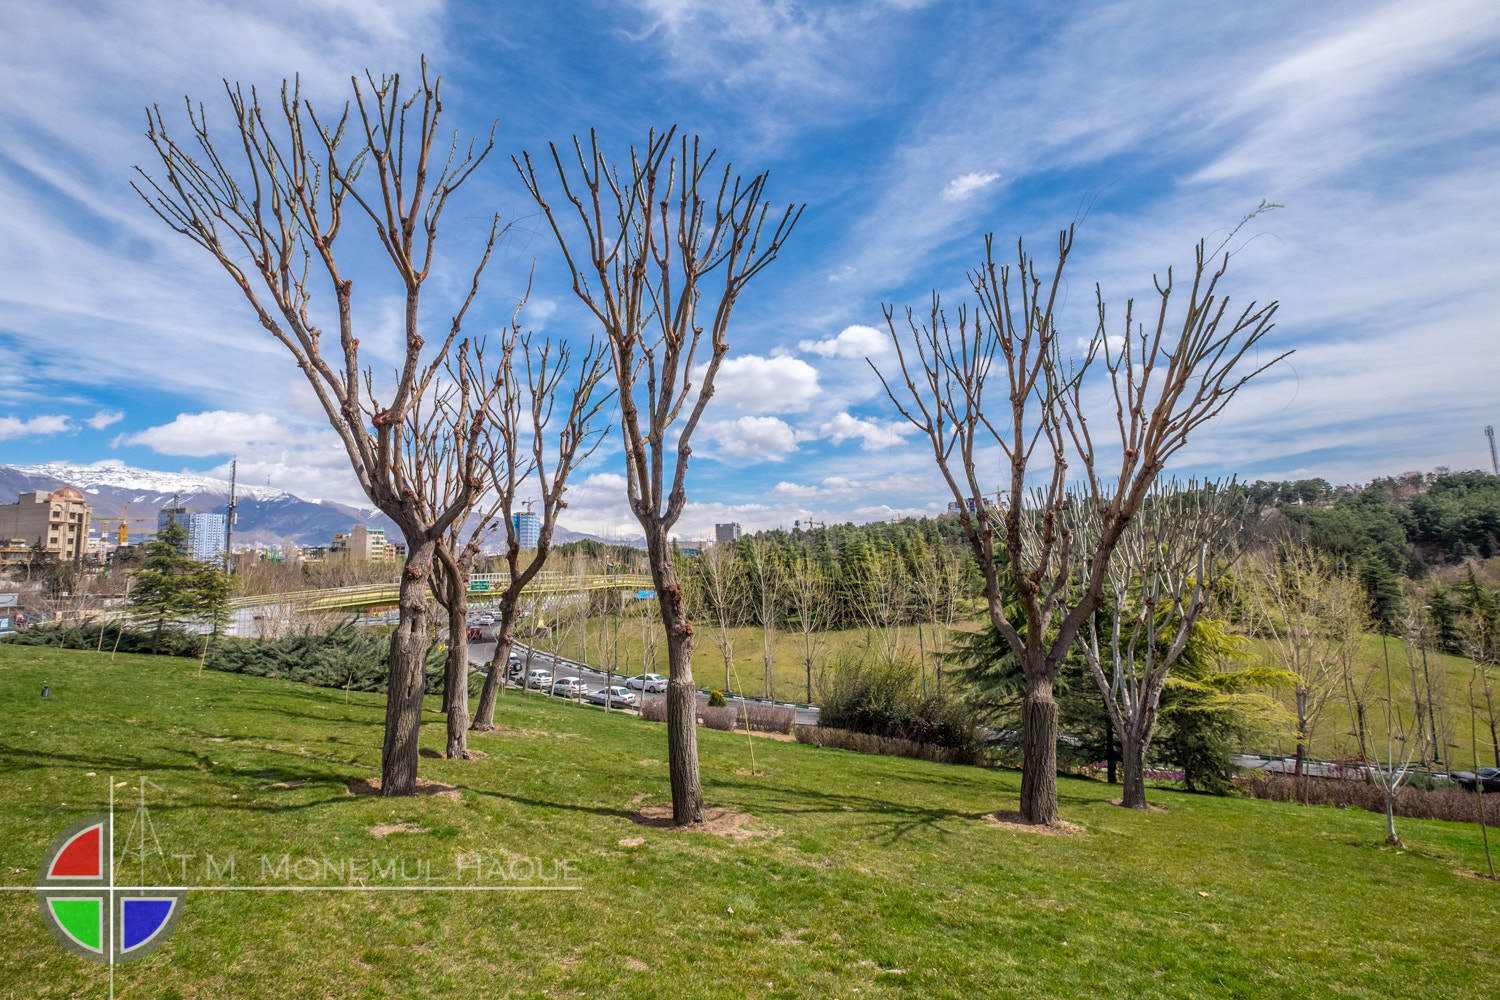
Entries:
{"x":475,"y":632}
{"x":647,"y":682}
{"x":1488,"y":778}
{"x":569,"y":687}
{"x":539,"y":680}
{"x":617,"y":695}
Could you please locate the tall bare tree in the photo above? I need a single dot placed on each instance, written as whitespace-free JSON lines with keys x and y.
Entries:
{"x":766,"y":573}
{"x":640,"y":243}
{"x":532,"y":447}
{"x":810,"y":598}
{"x":721,"y":586}
{"x":269,"y":207}
{"x":1158,"y":584}
{"x":1166,"y":379}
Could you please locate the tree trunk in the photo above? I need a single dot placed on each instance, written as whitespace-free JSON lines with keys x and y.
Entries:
{"x":403,"y":700}
{"x":1133,"y":766}
{"x":484,"y":713}
{"x":456,"y":676}
{"x":1039,"y":741}
{"x":1110,"y":757}
{"x":1390,"y":818}
{"x":1301,"y":730}
{"x":682,"y":692}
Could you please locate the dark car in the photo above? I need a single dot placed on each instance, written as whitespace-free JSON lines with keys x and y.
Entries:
{"x":1488,"y":778}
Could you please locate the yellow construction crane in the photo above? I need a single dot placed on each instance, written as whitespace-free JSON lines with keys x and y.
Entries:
{"x":124,"y":532}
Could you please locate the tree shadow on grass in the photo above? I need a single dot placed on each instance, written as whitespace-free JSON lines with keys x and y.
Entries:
{"x":895,"y":820}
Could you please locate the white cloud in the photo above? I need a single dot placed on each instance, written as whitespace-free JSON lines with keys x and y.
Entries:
{"x":45,"y":423}
{"x":876,"y":436}
{"x":793,"y":491}
{"x":310,"y":462}
{"x":217,"y":432}
{"x":842,"y":274}
{"x":852,"y":342}
{"x":765,"y":385}
{"x":753,"y":438}
{"x":104,"y":418}
{"x":967,"y":185}
{"x":537,"y":312}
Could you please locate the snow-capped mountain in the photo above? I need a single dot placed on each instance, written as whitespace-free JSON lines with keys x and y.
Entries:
{"x":266,"y":516}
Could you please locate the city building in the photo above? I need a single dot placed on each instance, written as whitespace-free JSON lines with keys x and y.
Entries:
{"x":362,"y":542}
{"x":528,"y":529}
{"x":205,"y":531}
{"x":56,"y":523}
{"x":969,"y":503}
{"x":727,"y":534}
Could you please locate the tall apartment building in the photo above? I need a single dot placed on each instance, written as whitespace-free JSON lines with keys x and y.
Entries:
{"x":362,"y":542}
{"x":528,"y":529}
{"x":727,"y":534}
{"x":56,"y":522}
{"x":205,"y":531}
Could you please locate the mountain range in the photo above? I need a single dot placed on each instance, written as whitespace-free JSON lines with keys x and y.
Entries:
{"x":266,"y":516}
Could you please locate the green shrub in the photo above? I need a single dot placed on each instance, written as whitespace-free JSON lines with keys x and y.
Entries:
{"x":173,"y":641}
{"x":344,"y":656}
{"x":880,"y":696}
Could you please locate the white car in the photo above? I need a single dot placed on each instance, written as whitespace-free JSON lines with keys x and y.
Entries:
{"x":647,"y":682}
{"x":569,"y":687}
{"x":539,"y":680}
{"x":616,"y":696}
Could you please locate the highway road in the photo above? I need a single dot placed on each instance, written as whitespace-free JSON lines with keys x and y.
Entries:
{"x":595,"y":679}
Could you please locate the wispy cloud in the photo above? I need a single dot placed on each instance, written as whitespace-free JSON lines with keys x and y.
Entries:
{"x":967,"y":185}
{"x":104,"y":418}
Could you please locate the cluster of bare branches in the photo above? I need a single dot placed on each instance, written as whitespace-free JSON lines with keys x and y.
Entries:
{"x":1159,"y":583}
{"x":1168,"y":377}
{"x":269,"y":207}
{"x":640,"y":244}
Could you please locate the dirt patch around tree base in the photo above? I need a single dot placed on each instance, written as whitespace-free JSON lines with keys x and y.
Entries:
{"x":719,"y":822}
{"x":371,"y":786}
{"x":1009,"y":819}
{"x":1149,"y":806}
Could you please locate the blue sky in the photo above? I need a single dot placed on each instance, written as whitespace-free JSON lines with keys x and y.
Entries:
{"x":910,"y":129}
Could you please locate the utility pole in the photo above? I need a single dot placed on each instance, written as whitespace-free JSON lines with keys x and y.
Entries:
{"x":229,"y":519}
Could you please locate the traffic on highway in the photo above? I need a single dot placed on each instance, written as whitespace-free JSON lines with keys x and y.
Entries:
{"x":534,"y":669}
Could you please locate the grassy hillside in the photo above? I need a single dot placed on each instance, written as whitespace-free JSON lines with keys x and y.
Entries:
{"x":861,"y":873}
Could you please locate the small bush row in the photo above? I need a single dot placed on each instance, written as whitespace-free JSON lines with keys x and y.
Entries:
{"x":1452,"y":804}
{"x":889,"y":746}
{"x":729,"y":718}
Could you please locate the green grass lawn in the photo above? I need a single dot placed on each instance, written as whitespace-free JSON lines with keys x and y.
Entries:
{"x":872,"y":874}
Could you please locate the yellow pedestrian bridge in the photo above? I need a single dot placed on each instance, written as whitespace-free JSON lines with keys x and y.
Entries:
{"x":483,"y":587}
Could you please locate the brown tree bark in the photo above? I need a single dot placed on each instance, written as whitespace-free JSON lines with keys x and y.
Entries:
{"x":406,"y":680}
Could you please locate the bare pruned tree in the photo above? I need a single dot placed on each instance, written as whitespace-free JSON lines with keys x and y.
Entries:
{"x":1167,"y":380}
{"x":1159,"y":582}
{"x":534,"y":448}
{"x":641,"y":244}
{"x":436,"y":459}
{"x":269,"y":206}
